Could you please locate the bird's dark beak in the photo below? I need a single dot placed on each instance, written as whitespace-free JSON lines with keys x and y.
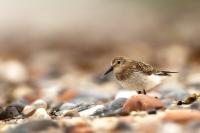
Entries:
{"x":108,"y":71}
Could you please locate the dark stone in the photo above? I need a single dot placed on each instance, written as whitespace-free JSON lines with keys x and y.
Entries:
{"x":83,"y":107}
{"x":123,"y":126}
{"x":20,"y":104}
{"x":116,"y":104}
{"x":152,"y":111}
{"x":34,"y":126}
{"x":112,"y":109}
{"x":11,"y":111}
{"x":54,"y":109}
{"x":2,"y":114}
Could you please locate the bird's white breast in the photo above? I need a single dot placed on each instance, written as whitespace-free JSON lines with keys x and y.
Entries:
{"x":139,"y":81}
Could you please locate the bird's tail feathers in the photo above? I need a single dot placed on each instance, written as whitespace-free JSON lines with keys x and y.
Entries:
{"x":165,"y":73}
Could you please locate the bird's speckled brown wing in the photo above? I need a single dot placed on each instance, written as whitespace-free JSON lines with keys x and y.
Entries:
{"x":145,"y":68}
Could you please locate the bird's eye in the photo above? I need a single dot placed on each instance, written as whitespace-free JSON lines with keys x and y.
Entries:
{"x":118,"y":62}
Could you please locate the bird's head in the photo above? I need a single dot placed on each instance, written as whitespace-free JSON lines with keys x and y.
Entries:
{"x":117,"y":65}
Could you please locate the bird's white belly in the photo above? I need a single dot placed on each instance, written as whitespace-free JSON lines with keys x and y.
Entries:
{"x":140,"y":81}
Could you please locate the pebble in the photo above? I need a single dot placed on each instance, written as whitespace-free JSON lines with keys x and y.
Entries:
{"x":33,"y":126}
{"x":11,"y":111}
{"x":40,"y":113}
{"x":30,"y":109}
{"x":68,"y":106}
{"x":39,"y":104}
{"x":83,"y":107}
{"x":70,"y":113}
{"x":125,"y":94}
{"x":152,"y":111}
{"x":112,"y":108}
{"x":142,"y":103}
{"x":3,"y":115}
{"x":90,"y":111}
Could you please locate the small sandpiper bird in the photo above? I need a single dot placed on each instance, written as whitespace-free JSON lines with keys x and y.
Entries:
{"x":136,"y":75}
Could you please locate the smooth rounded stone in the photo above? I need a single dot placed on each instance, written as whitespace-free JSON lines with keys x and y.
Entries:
{"x":195,"y":105}
{"x":20,"y":104}
{"x":13,"y":71}
{"x":40,"y":113}
{"x":111,"y":109}
{"x":142,"y":103}
{"x":39,"y":104}
{"x":152,"y":111}
{"x":28,"y":110}
{"x":125,"y":94}
{"x":78,"y":107}
{"x":11,"y":112}
{"x":82,"y":107}
{"x":70,"y":113}
{"x":68,"y":106}
{"x":33,"y":126}
{"x":170,"y":127}
{"x":3,"y":115}
{"x":117,"y":103}
{"x":174,"y":91}
{"x":90,"y":111}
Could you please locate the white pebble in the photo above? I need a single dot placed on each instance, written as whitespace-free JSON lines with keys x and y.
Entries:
{"x":40,"y":104}
{"x":125,"y":94}
{"x":40,"y":113}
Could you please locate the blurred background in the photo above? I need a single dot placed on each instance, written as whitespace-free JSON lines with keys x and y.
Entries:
{"x":41,"y":38}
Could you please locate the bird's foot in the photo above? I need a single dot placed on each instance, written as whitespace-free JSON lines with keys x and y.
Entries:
{"x":142,"y":92}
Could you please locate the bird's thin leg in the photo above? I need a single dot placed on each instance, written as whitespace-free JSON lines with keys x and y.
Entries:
{"x":144,"y":92}
{"x":139,"y":92}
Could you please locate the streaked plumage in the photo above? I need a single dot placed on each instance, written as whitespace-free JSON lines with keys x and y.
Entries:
{"x":136,"y":75}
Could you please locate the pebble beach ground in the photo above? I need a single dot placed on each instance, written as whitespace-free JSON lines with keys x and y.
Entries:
{"x":78,"y":103}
